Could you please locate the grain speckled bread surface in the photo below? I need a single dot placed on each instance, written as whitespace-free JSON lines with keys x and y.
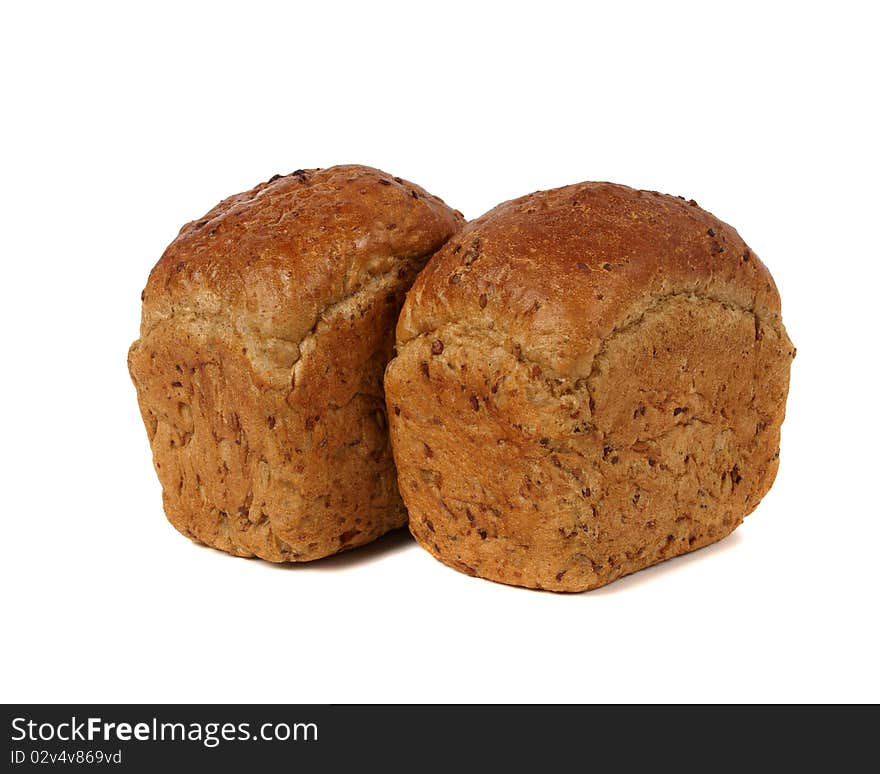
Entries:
{"x":266,"y":328}
{"x":588,"y":381}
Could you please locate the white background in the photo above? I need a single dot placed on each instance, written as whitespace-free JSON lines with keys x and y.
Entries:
{"x":119,"y":124}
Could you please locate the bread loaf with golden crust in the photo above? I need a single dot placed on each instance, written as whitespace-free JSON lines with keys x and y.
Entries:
{"x":266,"y":328}
{"x":588,"y":381}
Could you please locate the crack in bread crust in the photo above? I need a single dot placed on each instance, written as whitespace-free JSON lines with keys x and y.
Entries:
{"x":212,"y":317}
{"x":634,"y":317}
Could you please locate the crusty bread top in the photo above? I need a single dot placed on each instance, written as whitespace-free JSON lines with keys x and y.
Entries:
{"x":558,"y":271}
{"x":278,"y":255}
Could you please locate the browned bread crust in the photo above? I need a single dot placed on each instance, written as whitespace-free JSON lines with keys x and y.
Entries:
{"x":588,"y":381}
{"x":266,"y":328}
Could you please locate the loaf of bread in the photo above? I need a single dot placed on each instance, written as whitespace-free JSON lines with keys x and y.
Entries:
{"x":588,"y":381}
{"x":266,"y":328}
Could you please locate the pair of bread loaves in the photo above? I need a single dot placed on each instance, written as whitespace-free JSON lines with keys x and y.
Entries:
{"x":585,"y":381}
